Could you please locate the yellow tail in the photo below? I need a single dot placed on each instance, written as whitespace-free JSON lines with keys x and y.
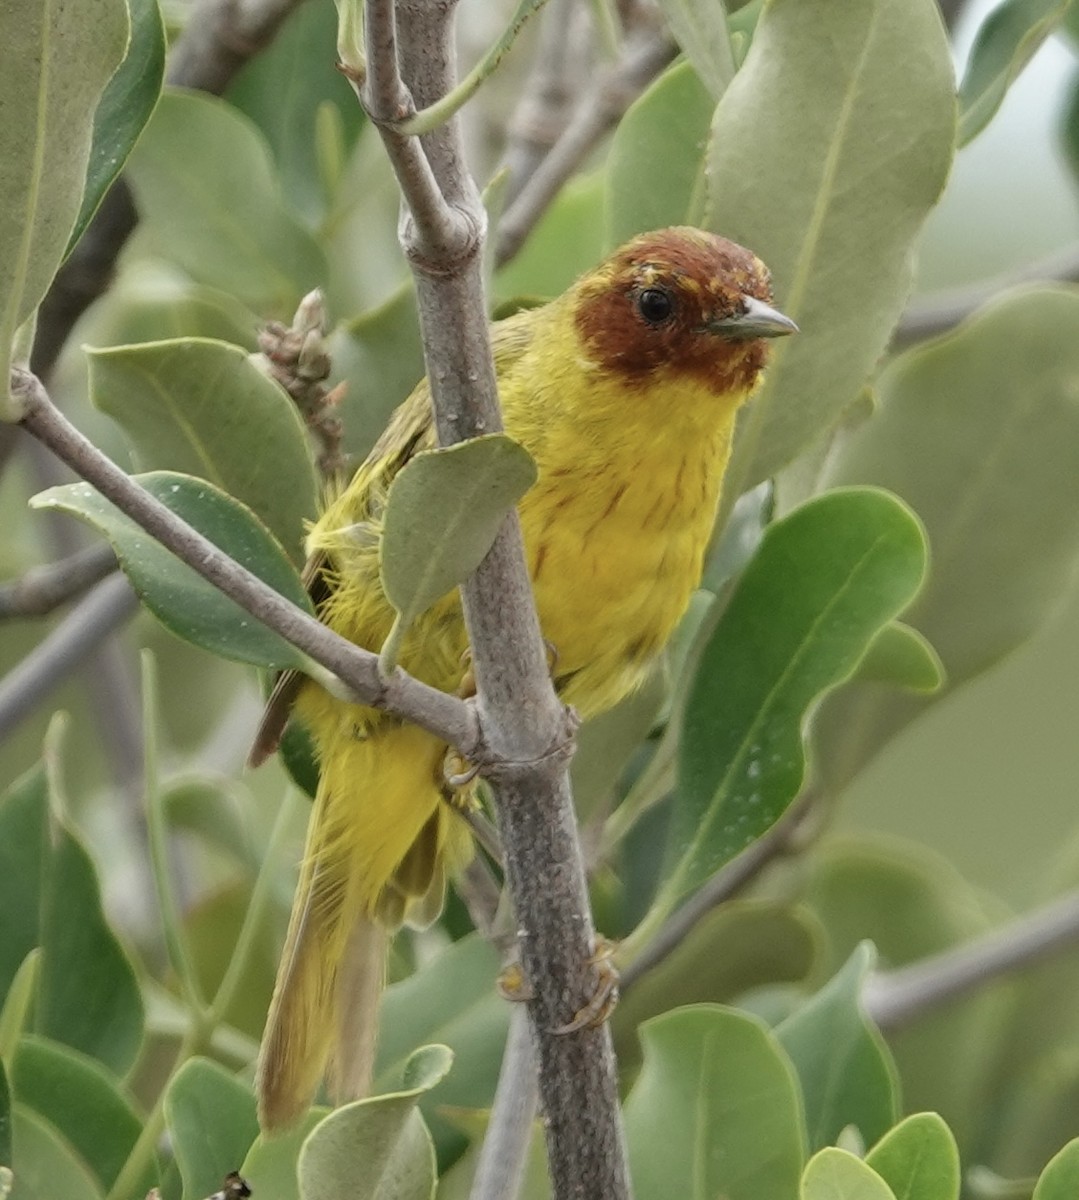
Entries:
{"x":379,"y":845}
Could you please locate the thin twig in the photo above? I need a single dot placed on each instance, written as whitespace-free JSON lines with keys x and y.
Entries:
{"x":46,"y":587}
{"x":598,"y":112}
{"x":501,"y":1166}
{"x":724,"y":886}
{"x":893,"y":999}
{"x":105,"y":610}
{"x":446,"y":716}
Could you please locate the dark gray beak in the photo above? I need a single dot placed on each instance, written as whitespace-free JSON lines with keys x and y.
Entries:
{"x":759,"y":320}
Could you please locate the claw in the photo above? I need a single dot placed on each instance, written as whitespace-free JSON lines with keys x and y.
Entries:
{"x":603,"y":1000}
{"x":512,"y":985}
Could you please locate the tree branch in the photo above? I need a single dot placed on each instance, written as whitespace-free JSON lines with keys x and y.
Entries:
{"x":445,"y":716}
{"x":46,"y":587}
{"x":893,"y":999}
{"x":938,"y":314}
{"x":105,"y":610}
{"x":598,"y":112}
{"x":528,"y":731}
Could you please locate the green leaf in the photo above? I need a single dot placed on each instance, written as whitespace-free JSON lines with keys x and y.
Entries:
{"x":847,"y":1073}
{"x":57,"y":60}
{"x":209,"y":808}
{"x":87,"y":996}
{"x":714,"y":1111}
{"x":835,"y":1174}
{"x":444,"y":510}
{"x":1006,"y":42}
{"x":737,"y":947}
{"x":914,"y":904}
{"x":81,"y":1101}
{"x":204,"y":408}
{"x":270,"y":1166}
{"x":45,"y":1167}
{"x":858,"y":557}
{"x":813,"y":165}
{"x":282,"y":89}
{"x":1060,"y":1179}
{"x":180,"y":599}
{"x":380,"y":355}
{"x":453,"y":1000}
{"x":661,"y":139}
{"x":377,"y":1148}
{"x":124,"y":108}
{"x":209,"y":199}
{"x":979,"y":433}
{"x":901,"y":656}
{"x":5,"y":1131}
{"x":918,"y":1159}
{"x":211,"y":1119}
{"x":15,"y":1016}
{"x":567,"y":240}
{"x":700,"y":29}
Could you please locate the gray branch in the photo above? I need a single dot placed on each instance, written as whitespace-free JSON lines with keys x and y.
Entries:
{"x":527,"y":730}
{"x":445,"y":716}
{"x":46,"y":587}
{"x":105,"y":610}
{"x":598,"y":112}
{"x":893,"y":999}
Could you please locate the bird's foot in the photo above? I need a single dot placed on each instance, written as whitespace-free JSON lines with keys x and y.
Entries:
{"x":603,"y":1000}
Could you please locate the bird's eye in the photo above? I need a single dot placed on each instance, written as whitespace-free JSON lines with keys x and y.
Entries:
{"x":655,"y":305}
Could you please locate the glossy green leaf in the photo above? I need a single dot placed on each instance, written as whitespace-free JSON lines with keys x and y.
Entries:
{"x":444,"y":510}
{"x":737,"y":947}
{"x":858,"y":557}
{"x":209,"y":200}
{"x":380,"y":355}
{"x":45,"y":1167}
{"x":661,"y":139}
{"x":180,"y":599}
{"x":846,"y":1071}
{"x":282,"y":89}
{"x":815,"y":166}
{"x":124,"y":108}
{"x":918,"y":1159}
{"x":1060,"y":1179}
{"x":211,"y":1119}
{"x":834,"y":1174}
{"x":378,"y":1148}
{"x":901,"y":656}
{"x":714,"y":1111}
{"x":979,"y":433}
{"x":700,"y":29}
{"x":1006,"y":42}
{"x":58,"y":58}
{"x":454,"y":1001}
{"x":204,"y":408}
{"x":15,"y":1015}
{"x":82,"y":1102}
{"x":87,"y":996}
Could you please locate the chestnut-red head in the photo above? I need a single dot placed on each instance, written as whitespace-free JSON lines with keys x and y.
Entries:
{"x":680,"y":301}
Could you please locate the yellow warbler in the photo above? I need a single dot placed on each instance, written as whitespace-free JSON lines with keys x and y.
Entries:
{"x":624,"y":390}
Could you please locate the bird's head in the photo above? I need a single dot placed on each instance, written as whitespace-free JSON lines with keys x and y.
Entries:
{"x":679,"y":302}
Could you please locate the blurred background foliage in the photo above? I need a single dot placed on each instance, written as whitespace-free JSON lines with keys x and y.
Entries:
{"x":963,"y":818}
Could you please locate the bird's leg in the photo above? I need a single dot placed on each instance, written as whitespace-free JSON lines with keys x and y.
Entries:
{"x":603,"y":1000}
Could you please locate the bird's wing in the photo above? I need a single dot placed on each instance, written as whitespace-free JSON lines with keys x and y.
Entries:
{"x":410,"y":430}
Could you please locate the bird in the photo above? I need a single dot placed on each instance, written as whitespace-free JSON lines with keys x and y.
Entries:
{"x":624,"y":390}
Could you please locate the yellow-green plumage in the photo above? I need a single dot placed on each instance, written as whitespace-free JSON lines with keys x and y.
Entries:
{"x":629,"y":423}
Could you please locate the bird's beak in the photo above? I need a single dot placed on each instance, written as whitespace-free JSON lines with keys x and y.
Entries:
{"x":757,"y":320}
